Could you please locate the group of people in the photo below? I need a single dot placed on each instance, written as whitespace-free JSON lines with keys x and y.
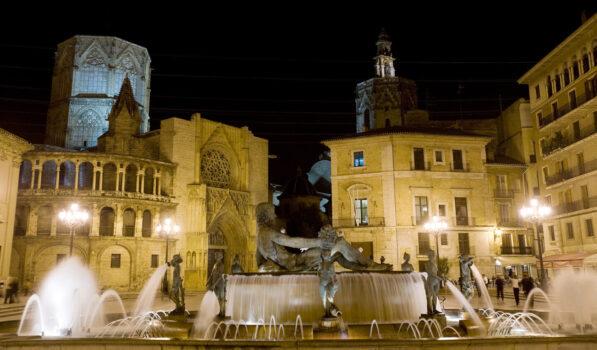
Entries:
{"x":527,"y":283}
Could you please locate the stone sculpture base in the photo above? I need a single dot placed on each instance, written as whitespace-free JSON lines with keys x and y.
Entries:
{"x":328,"y":324}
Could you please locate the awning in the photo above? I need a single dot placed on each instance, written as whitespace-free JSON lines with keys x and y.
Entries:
{"x":567,"y":260}
{"x":515,"y":260}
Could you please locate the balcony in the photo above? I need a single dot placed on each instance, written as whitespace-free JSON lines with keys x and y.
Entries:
{"x":463,"y":167}
{"x":557,"y":143}
{"x":585,"y":168}
{"x":499,"y":193}
{"x":565,"y":109}
{"x":367,"y":222}
{"x":570,"y":207}
{"x":510,"y":222}
{"x":425,"y":166}
{"x":517,"y":250}
{"x":453,"y":221}
{"x":65,"y":192}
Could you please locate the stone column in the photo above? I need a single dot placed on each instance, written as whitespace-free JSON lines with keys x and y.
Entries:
{"x":142,"y":183}
{"x":57,"y":177}
{"x":137,"y":183}
{"x":32,"y":222}
{"x":32,"y":176}
{"x":93,"y":184}
{"x":154,"y":182}
{"x":159,"y":180}
{"x":138,"y":223}
{"x":38,"y":178}
{"x":118,"y":221}
{"x":101,"y":179}
{"x":95,"y":220}
{"x":76,"y":186}
{"x":53,"y":222}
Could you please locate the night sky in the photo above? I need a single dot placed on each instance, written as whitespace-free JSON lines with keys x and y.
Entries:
{"x":290,"y":76}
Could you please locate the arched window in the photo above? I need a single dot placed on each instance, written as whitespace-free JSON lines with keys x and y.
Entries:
{"x":189,"y":262}
{"x":67,"y":175}
{"x":106,"y":222}
{"x":25,"y":174}
{"x":146,"y":228}
{"x":130,"y":182}
{"x":85,"y":176}
{"x":148,"y":181}
{"x":44,"y":220}
{"x":109,"y":177}
{"x":557,"y":81}
{"x":87,"y":129}
{"x":549,"y":86}
{"x":566,"y":74}
{"x":84,"y":229}
{"x":366,"y":121}
{"x":194,"y":264}
{"x":585,"y":61}
{"x":21,"y":220}
{"x":48,"y":175}
{"x":128,"y":219}
{"x":575,"y":69}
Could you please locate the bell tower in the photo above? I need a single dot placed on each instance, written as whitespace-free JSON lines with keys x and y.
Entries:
{"x":384,"y":100}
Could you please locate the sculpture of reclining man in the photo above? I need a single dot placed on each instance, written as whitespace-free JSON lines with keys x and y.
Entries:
{"x":273,"y":255}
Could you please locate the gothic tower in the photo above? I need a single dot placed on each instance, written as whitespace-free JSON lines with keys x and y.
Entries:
{"x":88,"y":74}
{"x":384,"y":100}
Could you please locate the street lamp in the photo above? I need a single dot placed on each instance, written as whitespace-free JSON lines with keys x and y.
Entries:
{"x":534,"y":214}
{"x":167,"y":227}
{"x":436,"y":225}
{"x":74,"y":218}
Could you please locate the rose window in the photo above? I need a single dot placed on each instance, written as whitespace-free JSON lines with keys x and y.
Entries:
{"x":215,"y":169}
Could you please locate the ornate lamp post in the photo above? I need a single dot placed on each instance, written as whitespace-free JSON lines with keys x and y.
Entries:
{"x":436,"y":225}
{"x":535,"y":213}
{"x":167,"y":227}
{"x":74,"y":218}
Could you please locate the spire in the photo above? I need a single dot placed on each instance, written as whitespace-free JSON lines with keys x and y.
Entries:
{"x":384,"y":62}
{"x":126,"y":98}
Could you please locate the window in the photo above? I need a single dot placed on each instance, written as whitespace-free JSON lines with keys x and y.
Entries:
{"x":504,"y":213}
{"x":457,"y":158}
{"x":572,"y":98}
{"x":461,"y":211}
{"x":146,"y":226}
{"x":421,"y":209}
{"x":549,"y":86}
{"x":115,"y":261}
{"x":106,"y":227}
{"x":507,"y":240}
{"x":424,"y":246}
{"x":570,"y":230}
{"x":589,"y":224}
{"x":359,"y":159}
{"x":554,"y":110}
{"x":540,"y":118}
{"x":441,"y":210}
{"x":576,"y":126}
{"x":557,"y":81}
{"x":584,"y":193}
{"x":366,"y":121}
{"x":502,"y":183}
{"x":552,"y":232}
{"x":585,"y":61}
{"x":128,"y":224}
{"x":463,"y":243}
{"x":566,"y":75}
{"x":60,"y":257}
{"x":444,"y":238}
{"x":575,"y":70}
{"x":537,"y":92}
{"x":360,"y":208}
{"x":154,"y":260}
{"x":545,"y":174}
{"x":419,"y":158}
{"x":580,"y":160}
{"x":439,"y":157}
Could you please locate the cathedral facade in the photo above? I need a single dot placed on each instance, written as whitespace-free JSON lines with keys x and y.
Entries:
{"x":203,"y":175}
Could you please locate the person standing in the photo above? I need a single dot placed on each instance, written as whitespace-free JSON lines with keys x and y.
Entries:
{"x":499,"y":283}
{"x":516,"y":288}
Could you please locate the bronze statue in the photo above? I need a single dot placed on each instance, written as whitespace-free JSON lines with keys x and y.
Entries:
{"x":432,"y":284}
{"x":217,"y":282}
{"x":177,"y":291}
{"x":273,"y":255}
{"x":236,"y":268}
{"x":466,"y":284}
{"x":406,"y":265}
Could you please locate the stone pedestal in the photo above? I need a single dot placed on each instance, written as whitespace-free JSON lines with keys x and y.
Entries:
{"x":328,"y":324}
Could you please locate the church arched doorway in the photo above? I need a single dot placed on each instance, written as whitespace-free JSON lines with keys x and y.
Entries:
{"x":228,"y":235}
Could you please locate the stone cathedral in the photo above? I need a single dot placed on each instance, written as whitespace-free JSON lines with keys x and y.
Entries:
{"x":205,"y":176}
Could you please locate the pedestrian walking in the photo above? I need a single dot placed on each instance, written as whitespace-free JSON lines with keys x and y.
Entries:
{"x":527,"y":286}
{"x":516,"y":288}
{"x":499,"y":283}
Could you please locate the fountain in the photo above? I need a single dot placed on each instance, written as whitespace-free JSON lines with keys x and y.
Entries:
{"x":369,"y":304}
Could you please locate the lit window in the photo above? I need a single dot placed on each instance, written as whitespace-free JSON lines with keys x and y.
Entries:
{"x":360,"y":208}
{"x":421,"y":209}
{"x":359,"y":159}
